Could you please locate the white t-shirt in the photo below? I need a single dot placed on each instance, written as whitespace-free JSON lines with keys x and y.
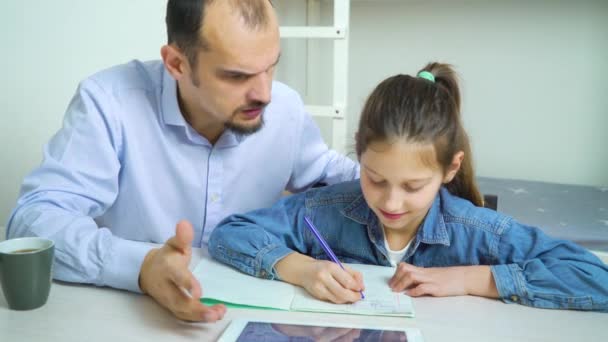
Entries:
{"x":395,"y":256}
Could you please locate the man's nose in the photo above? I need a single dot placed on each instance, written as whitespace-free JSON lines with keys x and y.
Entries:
{"x":260,"y":88}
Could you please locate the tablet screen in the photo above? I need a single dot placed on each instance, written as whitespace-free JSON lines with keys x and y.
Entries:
{"x":280,"y":332}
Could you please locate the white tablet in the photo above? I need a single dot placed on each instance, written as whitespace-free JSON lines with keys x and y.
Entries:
{"x":242,"y":330}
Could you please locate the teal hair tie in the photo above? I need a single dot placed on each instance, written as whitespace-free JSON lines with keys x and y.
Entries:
{"x":427,"y":76}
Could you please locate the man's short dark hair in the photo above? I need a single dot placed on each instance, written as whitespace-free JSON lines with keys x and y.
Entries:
{"x":184,"y":21}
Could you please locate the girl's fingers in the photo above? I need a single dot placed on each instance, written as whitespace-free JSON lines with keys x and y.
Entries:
{"x":348,"y":278}
{"x":325,"y":294}
{"x":358,"y":278}
{"x":338,"y":293}
{"x":402,"y":269}
{"x":410,"y":279}
{"x":425,"y":289}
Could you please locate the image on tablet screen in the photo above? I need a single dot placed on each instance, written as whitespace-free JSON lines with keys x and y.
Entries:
{"x":279,"y":332}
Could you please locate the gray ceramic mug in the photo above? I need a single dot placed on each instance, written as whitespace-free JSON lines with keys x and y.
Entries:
{"x":26,"y":271}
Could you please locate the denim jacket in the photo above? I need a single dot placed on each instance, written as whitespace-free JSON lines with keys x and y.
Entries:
{"x":528,"y":266}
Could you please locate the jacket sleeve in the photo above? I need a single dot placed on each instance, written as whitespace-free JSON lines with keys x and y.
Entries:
{"x":254,"y":242}
{"x":536,"y":270}
{"x":78,"y":181}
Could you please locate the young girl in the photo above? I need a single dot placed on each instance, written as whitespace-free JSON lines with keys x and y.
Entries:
{"x":416,"y":207}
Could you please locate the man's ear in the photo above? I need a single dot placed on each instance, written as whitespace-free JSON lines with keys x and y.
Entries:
{"x":175,"y":61}
{"x":454,"y":167}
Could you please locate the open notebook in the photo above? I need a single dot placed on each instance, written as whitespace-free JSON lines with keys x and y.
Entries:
{"x":221,"y":283}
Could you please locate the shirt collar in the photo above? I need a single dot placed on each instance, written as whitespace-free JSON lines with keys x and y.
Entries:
{"x":172,"y":115}
{"x":434,"y":230}
{"x":360,"y":212}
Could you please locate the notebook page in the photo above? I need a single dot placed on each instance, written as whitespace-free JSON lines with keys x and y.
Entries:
{"x":379,"y":298}
{"x":226,"y":284}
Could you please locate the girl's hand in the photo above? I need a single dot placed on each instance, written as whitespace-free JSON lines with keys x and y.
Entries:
{"x":324,"y":280}
{"x":444,"y":281}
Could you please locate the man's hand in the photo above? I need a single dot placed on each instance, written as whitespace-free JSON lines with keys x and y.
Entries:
{"x":165,"y":276}
{"x":324,"y":280}
{"x":444,"y":281}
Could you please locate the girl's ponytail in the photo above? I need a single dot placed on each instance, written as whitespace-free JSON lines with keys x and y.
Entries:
{"x":464,"y":184}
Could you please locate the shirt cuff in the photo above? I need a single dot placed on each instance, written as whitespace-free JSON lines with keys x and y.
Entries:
{"x":267,"y":258}
{"x":121,"y":270}
{"x":510,"y":283}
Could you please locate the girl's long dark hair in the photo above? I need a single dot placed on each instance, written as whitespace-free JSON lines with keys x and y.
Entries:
{"x":422,"y":111}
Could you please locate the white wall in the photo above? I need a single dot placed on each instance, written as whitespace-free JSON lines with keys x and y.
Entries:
{"x":535,"y":76}
{"x":535,"y":102}
{"x":47,"y":48}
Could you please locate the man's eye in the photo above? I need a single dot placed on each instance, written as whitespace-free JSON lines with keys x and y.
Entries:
{"x":237,"y":77}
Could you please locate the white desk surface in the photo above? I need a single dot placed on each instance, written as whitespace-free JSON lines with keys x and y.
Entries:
{"x":88,"y":313}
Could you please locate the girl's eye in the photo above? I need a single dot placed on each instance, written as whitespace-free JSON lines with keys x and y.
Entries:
{"x":377,"y":182}
{"x":412,"y":189}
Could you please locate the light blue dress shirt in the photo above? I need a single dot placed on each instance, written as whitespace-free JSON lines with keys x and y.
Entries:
{"x":126,"y":167}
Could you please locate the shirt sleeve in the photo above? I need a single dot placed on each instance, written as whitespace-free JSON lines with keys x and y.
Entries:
{"x":254,"y":242}
{"x":315,"y":163}
{"x":78,"y":181}
{"x":537,"y":270}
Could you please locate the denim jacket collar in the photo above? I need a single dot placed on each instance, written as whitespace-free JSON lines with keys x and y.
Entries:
{"x":360,"y":212}
{"x":433,"y":229}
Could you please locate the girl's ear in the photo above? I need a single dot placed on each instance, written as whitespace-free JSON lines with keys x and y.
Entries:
{"x":454,"y":167}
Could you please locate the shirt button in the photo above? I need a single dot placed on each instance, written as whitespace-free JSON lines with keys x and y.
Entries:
{"x":514,"y":298}
{"x":215,"y":198}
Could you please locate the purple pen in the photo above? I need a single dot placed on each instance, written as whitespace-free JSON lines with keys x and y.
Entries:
{"x":325,"y":246}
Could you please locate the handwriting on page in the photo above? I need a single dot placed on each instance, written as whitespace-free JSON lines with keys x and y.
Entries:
{"x":378,"y":302}
{"x":379,"y":298}
{"x":382,"y":305}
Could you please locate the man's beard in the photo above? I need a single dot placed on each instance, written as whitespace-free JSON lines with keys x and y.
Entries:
{"x":244,"y":130}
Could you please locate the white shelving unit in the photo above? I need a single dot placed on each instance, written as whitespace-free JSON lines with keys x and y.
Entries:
{"x":339,"y":33}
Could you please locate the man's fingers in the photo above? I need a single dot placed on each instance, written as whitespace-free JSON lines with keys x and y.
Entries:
{"x":197,"y":312}
{"x":186,"y":281}
{"x":191,"y":309}
{"x":184,"y":234}
{"x":213,"y":313}
{"x":181,"y":277}
{"x":195,"y":287}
